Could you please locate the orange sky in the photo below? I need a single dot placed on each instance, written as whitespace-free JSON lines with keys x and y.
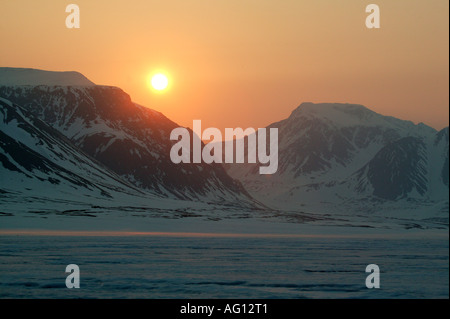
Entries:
{"x":244,"y":63}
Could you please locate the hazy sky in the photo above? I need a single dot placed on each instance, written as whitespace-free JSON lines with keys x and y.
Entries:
{"x":244,"y":63}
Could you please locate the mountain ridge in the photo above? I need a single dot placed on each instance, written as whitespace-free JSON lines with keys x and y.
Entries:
{"x":329,"y":153}
{"x":28,"y":76}
{"x":337,"y":152}
{"x":131,"y":140}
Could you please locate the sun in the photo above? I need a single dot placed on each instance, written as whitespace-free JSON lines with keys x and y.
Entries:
{"x":159,"y":81}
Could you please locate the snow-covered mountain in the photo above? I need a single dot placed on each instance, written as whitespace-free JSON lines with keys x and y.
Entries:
{"x":20,"y":76}
{"x":36,"y":159}
{"x":331,"y":156}
{"x":128,"y":139}
{"x":344,"y":153}
{"x":42,"y":173}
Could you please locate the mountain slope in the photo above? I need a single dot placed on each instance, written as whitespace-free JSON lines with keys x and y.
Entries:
{"x":441,"y":144}
{"x":43,"y":174}
{"x":131,"y":140}
{"x":396,"y":171}
{"x":35,"y":158}
{"x":336,"y":153}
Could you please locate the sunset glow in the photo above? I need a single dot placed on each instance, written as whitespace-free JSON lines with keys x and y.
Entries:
{"x":256,"y":59}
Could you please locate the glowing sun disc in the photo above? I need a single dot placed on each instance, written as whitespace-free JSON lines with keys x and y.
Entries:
{"x":159,"y":81}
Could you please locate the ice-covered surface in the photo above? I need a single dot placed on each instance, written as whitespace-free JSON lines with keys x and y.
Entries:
{"x":142,"y":214}
{"x":216,"y":267}
{"x":184,"y":249}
